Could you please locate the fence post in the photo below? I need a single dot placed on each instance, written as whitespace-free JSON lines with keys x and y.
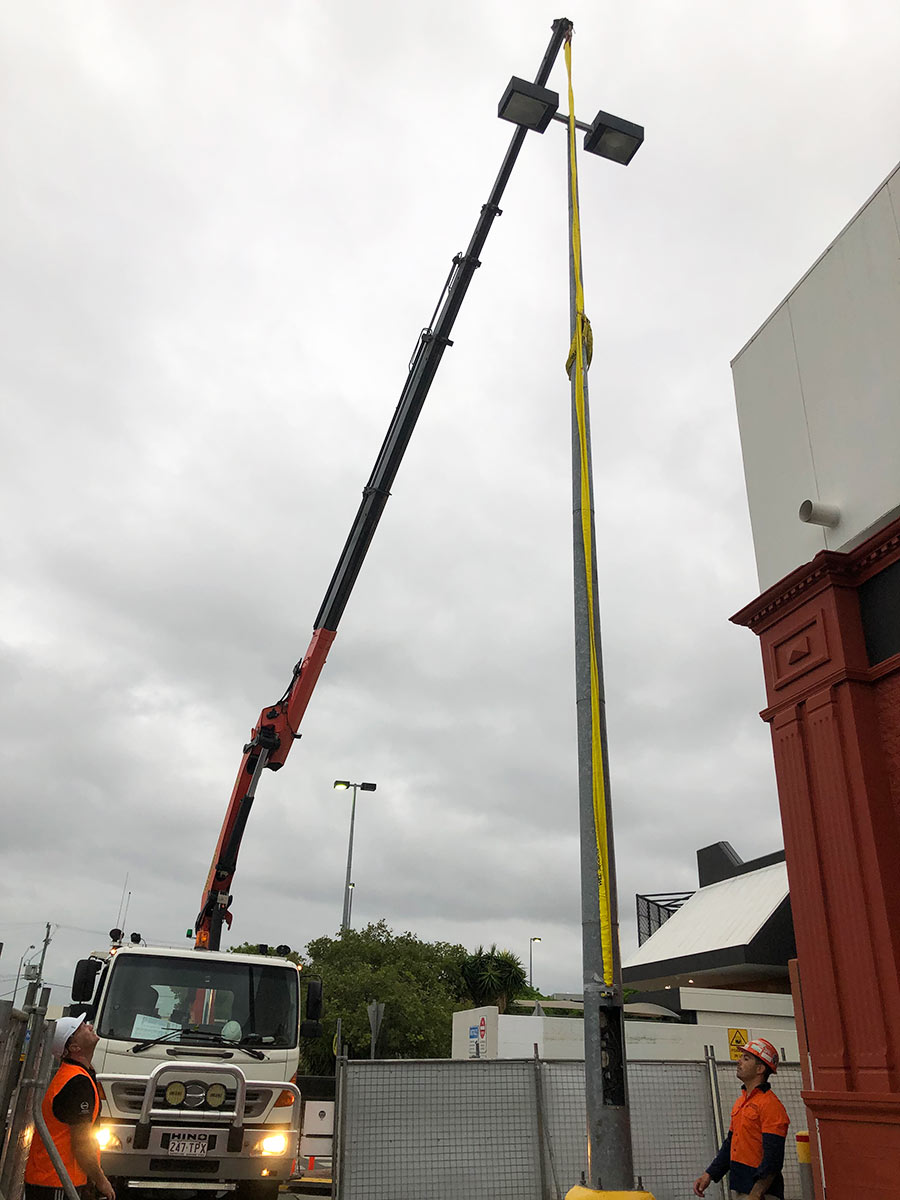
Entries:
{"x":337,"y":1137}
{"x":542,"y":1138}
{"x":12,"y":1034}
{"x":21,"y":1126}
{"x":804,"y":1158}
{"x":716,"y":1101}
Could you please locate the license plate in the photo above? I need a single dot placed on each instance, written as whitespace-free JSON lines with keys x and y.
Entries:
{"x":189,"y":1145}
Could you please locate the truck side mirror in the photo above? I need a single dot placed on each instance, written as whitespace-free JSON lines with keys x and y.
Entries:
{"x":310,"y":1029}
{"x":84,"y":979}
{"x":314,"y":1000}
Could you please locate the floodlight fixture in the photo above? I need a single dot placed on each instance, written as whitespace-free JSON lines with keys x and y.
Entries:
{"x":528,"y":105}
{"x":342,"y":783}
{"x":613,"y":138}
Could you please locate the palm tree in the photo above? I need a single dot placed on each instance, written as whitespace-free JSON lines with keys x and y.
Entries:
{"x":493,"y":977}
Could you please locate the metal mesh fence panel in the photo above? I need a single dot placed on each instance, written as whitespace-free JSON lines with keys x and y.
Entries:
{"x":451,"y":1129}
{"x":786,"y":1085}
{"x":565,"y":1125}
{"x":441,"y":1129}
{"x":672,"y":1129}
{"x":673,"y":1134}
{"x":474,"y":1129}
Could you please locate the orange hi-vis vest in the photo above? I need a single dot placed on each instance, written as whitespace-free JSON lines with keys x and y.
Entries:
{"x":39,"y":1169}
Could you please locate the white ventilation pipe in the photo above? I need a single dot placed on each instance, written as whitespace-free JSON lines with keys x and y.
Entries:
{"x":813,"y":513}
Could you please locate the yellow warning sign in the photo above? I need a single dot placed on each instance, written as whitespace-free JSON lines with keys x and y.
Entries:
{"x":737,"y":1040}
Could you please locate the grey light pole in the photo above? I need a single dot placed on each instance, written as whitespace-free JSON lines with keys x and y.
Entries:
{"x":363,"y":787}
{"x":350,"y":888}
{"x":608,"y":1126}
{"x":531,"y":942}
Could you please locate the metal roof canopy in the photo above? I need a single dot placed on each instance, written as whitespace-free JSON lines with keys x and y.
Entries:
{"x":724,"y":930}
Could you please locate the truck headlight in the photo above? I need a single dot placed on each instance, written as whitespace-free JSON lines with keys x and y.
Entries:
{"x":274,"y":1143}
{"x":106,"y":1139}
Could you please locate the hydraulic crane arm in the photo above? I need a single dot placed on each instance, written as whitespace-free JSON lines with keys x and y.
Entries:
{"x":278,"y":724}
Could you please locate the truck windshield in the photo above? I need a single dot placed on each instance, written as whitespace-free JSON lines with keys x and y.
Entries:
{"x":149,"y":997}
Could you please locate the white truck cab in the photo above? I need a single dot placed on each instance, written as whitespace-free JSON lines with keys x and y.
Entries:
{"x":197,"y":1056}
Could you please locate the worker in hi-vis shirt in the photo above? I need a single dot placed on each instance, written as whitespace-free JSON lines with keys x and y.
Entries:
{"x":753,"y":1151}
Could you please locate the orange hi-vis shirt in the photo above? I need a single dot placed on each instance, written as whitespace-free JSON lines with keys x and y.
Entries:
{"x":754,"y":1114}
{"x":39,"y":1169}
{"x":754,"y":1147}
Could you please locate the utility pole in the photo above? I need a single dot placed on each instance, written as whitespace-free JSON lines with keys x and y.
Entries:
{"x":40,"y":973}
{"x":19,"y":975}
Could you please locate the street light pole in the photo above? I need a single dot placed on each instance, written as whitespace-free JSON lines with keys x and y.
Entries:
{"x":363,"y":787}
{"x":531,"y":960}
{"x":609,"y":1137}
{"x":610,"y":1163}
{"x":345,"y":915}
{"x":350,"y":905}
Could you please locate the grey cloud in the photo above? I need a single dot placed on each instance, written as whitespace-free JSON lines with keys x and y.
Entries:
{"x":221,"y":232}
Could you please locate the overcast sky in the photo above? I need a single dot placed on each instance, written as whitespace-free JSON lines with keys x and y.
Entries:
{"x":222,"y":226}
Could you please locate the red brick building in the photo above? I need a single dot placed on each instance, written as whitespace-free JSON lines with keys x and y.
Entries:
{"x":818,"y":394}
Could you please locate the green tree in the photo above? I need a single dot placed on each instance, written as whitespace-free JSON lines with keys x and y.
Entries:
{"x":253,"y":948}
{"x":419,"y":983}
{"x":493,"y":977}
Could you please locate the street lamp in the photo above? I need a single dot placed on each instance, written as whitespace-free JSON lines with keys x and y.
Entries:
{"x":528,"y":105}
{"x":350,"y":905}
{"x":610,"y":1162}
{"x":363,"y":787}
{"x":531,"y":961}
{"x":613,"y":138}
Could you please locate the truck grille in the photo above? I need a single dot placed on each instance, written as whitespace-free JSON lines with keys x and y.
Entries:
{"x":128,"y":1098}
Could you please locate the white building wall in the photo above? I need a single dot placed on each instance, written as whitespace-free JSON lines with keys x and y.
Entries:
{"x":818,"y":395}
{"x":718,"y":1012}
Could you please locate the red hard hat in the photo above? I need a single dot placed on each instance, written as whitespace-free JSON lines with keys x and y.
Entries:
{"x":764,"y":1051}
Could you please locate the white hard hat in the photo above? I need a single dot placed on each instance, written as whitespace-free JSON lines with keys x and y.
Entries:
{"x":65,"y":1027}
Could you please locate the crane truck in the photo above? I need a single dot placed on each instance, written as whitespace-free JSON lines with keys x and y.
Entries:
{"x":198,"y":1049}
{"x":196,"y":1064}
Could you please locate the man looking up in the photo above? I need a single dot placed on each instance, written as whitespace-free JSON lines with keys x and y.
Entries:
{"x":753,"y":1151}
{"x":70,"y":1108}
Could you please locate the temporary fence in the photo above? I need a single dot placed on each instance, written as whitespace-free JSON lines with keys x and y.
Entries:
{"x":497,"y":1129}
{"x":25,"y":1062}
{"x":484,"y":1129}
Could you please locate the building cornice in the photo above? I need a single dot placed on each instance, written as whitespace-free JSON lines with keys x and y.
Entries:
{"x":829,"y":568}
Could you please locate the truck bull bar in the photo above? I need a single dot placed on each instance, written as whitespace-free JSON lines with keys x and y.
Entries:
{"x":235,"y":1115}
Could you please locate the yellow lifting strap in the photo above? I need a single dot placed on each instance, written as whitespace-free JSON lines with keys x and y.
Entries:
{"x":579,"y":359}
